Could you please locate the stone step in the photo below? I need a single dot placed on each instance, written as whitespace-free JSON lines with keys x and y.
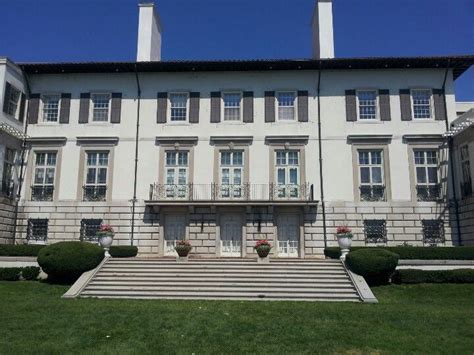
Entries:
{"x":198,"y":274}
{"x":204,"y":271}
{"x":126,"y":279}
{"x":220,"y":262}
{"x":226,"y":265}
{"x":222,"y":294}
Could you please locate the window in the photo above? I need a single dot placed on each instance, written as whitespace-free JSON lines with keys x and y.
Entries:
{"x":375,"y":230}
{"x":232,"y":106}
{"x":426,"y":169}
{"x":51,"y":108}
{"x":95,"y":188}
{"x":178,"y":107}
{"x":371,"y":175}
{"x":433,"y":231}
{"x":43,"y":183}
{"x":231,"y":171}
{"x":12,"y":98}
{"x":367,"y":104}
{"x":177,"y":174}
{"x":287,"y":173}
{"x":100,"y":107}
{"x":466,"y":182}
{"x":89,"y":229}
{"x":421,"y":100}
{"x":37,"y":230}
{"x":286,"y":105}
{"x":8,"y":171}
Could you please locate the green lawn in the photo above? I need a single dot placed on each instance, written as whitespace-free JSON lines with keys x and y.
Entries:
{"x":418,"y":318}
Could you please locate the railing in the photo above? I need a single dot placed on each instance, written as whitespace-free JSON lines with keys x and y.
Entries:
{"x":428,"y":192}
{"x":223,"y":192}
{"x":94,"y":193}
{"x":372,"y":193}
{"x":42,"y":193}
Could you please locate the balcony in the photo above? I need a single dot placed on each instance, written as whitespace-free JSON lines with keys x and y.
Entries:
{"x":372,"y":193}
{"x":42,"y":193}
{"x":428,"y":193}
{"x":94,"y":193}
{"x":231,"y":194}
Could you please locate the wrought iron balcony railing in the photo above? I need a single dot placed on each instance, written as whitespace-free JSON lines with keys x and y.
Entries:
{"x":428,"y":192}
{"x":223,"y":192}
{"x":372,"y":193}
{"x":466,"y":189}
{"x":42,"y":193}
{"x":94,"y":193}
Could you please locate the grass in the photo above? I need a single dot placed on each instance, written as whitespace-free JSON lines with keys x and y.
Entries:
{"x":408,"y":319}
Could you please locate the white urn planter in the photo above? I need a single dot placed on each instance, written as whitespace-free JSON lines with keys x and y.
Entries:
{"x":105,"y":242}
{"x":345,"y":242}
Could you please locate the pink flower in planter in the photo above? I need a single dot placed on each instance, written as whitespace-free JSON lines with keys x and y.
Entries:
{"x":106,"y":228}
{"x":262,"y":242}
{"x":343,"y":230}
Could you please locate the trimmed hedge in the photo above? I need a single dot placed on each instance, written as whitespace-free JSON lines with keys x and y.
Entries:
{"x":65,"y":262}
{"x":413,"y":253}
{"x":375,"y":265}
{"x":20,"y":249}
{"x":30,"y":273}
{"x":10,"y":273}
{"x":123,"y":251}
{"x":413,"y":276}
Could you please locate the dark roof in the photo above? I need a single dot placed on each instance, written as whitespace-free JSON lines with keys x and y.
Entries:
{"x":458,"y":63}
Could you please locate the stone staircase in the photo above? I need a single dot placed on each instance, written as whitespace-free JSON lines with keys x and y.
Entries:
{"x":224,"y":279}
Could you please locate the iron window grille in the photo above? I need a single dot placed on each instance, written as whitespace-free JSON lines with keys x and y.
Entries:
{"x":94,"y":193}
{"x":433,"y":231}
{"x":428,"y":193}
{"x":37,"y":229}
{"x":42,"y":193}
{"x":89,"y":229}
{"x":375,"y":230}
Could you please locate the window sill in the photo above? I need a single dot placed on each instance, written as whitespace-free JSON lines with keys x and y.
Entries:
{"x":359,"y":121}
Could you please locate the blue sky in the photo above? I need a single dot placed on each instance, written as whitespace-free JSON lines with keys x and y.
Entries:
{"x":106,"y":30}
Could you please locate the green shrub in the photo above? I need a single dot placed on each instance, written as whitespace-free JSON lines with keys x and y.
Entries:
{"x":123,"y":251}
{"x":65,"y":262}
{"x":375,"y":265}
{"x":413,"y":276}
{"x":30,"y":273}
{"x":20,"y":249}
{"x":416,"y":253}
{"x":10,"y":273}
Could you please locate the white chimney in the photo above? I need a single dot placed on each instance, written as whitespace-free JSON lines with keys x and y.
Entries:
{"x":149,"y":34}
{"x":323,"y":33}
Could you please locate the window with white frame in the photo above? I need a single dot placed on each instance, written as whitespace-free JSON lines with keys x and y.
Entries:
{"x":178,"y":107}
{"x":286,"y":105}
{"x":466,"y":184}
{"x":177,"y":166}
{"x":421,"y":101}
{"x":44,"y":173}
{"x":367,"y":104}
{"x":13,"y":101}
{"x":287,"y":173}
{"x":8,"y":172}
{"x":51,"y":107}
{"x":97,"y":165}
{"x":371,"y":175}
{"x":426,"y":171}
{"x":232,"y":103}
{"x":100,"y":107}
{"x":231,"y":173}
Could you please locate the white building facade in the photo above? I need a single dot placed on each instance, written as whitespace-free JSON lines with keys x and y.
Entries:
{"x":224,"y":153}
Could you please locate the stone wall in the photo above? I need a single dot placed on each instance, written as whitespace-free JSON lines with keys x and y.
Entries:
{"x":7,"y":212}
{"x":466,"y":220}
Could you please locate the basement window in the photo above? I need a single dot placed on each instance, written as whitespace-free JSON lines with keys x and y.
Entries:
{"x":89,"y":229}
{"x":37,"y":230}
{"x":433,"y":231}
{"x":375,"y":230}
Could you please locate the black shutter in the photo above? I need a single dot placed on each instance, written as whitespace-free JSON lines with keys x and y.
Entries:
{"x":22,"y":108}
{"x":65,"y":108}
{"x":269,"y":106}
{"x":303,"y":106}
{"x":33,"y":108}
{"x":248,"y":107}
{"x":116,"y":107}
{"x":439,"y":105}
{"x":384,"y":100}
{"x":84,"y":107}
{"x":405,"y":104}
{"x":194,"y":104}
{"x":215,"y":107}
{"x":351,"y":106}
{"x":162,"y":107}
{"x":6,"y":97}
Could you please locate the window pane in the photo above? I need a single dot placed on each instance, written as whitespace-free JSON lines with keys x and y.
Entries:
{"x":100,"y":105}
{"x":182,"y":177}
{"x":281,"y":158}
{"x":90,"y":178}
{"x":170,"y":158}
{"x":225,"y":158}
{"x":292,"y":158}
{"x":419,"y":157}
{"x":102,"y":177}
{"x":39,"y":176}
{"x":286,"y":105}
{"x":232,"y":106}
{"x":363,"y":158}
{"x":225,"y":176}
{"x":421,"y":103}
{"x":293,"y":176}
{"x":431,"y":157}
{"x":103,"y":159}
{"x":40,"y":158}
{"x":433,"y":175}
{"x":237,"y":176}
{"x":376,"y":158}
{"x":377,"y":175}
{"x":421,"y":175}
{"x":51,"y":108}
{"x":178,"y":107}
{"x":237,"y":158}
{"x":91,"y":159}
{"x":183,"y":158}
{"x":49,"y":176}
{"x":365,"y":175}
{"x":367,"y":104}
{"x":170,"y":176}
{"x":281,"y":176}
{"x":51,"y":159}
